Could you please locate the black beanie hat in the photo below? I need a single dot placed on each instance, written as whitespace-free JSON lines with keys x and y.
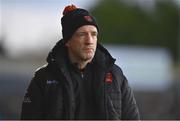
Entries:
{"x":73,"y":18}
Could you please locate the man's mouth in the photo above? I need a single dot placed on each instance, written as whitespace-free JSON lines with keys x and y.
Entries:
{"x":89,"y":49}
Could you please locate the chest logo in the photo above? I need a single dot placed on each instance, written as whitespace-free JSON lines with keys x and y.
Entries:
{"x":52,"y":82}
{"x":109,"y":78}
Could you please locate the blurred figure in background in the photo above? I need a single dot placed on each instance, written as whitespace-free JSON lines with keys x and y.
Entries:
{"x":81,"y":80}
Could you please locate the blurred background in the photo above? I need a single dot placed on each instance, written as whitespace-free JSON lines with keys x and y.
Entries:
{"x":143,"y":35}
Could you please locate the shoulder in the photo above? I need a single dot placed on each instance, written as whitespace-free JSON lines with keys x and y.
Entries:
{"x":118,"y":75}
{"x":42,"y":74}
{"x":41,"y":71}
{"x":44,"y":70}
{"x":39,"y":76}
{"x":117,"y":71}
{"x":46,"y":73}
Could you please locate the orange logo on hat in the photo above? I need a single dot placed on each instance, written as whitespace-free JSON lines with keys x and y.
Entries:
{"x":88,"y":18}
{"x":109,"y":78}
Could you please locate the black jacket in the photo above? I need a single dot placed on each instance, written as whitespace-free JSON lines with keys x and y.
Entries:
{"x":50,"y":94}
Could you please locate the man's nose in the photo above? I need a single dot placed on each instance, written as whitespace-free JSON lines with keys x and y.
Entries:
{"x":89,"y":39}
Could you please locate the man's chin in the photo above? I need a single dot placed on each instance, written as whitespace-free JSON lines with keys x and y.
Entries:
{"x":88,"y":58}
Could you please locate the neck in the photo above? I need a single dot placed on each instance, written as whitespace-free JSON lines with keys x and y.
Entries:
{"x":81,"y":64}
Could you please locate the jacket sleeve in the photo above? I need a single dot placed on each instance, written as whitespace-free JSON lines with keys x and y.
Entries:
{"x":32,"y":106}
{"x":129,"y":107}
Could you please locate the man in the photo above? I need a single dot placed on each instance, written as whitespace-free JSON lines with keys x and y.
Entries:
{"x":80,"y":80}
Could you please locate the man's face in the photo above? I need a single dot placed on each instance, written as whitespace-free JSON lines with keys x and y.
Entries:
{"x":82,"y":45}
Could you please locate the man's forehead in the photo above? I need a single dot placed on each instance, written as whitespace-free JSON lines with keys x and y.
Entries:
{"x":87,"y":28}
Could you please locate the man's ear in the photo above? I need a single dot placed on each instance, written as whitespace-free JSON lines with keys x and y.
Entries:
{"x":67,"y":44}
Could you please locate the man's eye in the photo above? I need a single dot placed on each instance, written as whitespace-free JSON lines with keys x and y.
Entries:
{"x":81,"y":34}
{"x":94,"y":34}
